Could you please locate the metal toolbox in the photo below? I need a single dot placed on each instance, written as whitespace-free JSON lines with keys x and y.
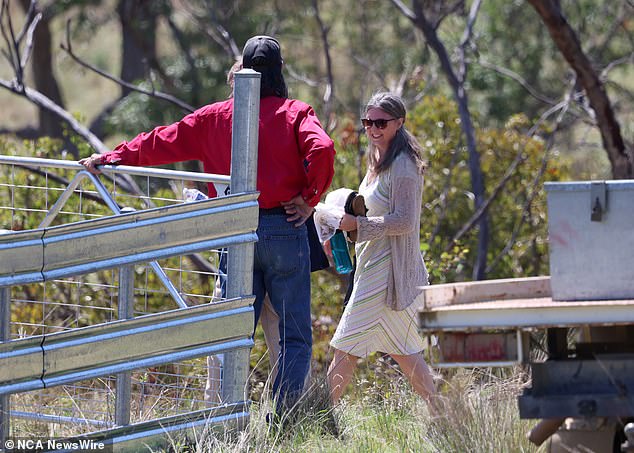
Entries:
{"x":591,"y":237}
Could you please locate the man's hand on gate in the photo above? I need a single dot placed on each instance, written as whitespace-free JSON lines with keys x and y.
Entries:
{"x":91,"y":163}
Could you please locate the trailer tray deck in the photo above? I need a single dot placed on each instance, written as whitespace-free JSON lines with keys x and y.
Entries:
{"x":506,"y":304}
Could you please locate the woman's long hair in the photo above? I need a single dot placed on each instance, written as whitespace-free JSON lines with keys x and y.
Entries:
{"x":403,"y":141}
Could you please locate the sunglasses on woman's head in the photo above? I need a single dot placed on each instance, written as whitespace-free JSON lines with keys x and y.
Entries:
{"x":380,"y":123}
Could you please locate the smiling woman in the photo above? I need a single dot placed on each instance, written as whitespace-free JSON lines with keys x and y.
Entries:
{"x":380,"y":129}
{"x":380,"y":315}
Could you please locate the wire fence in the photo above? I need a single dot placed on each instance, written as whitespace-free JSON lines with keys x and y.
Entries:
{"x":28,"y":193}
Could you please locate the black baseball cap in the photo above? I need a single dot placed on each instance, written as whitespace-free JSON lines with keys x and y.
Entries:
{"x":261,"y":51}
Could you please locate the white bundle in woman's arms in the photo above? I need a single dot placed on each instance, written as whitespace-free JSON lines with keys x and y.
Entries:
{"x":328,"y":214}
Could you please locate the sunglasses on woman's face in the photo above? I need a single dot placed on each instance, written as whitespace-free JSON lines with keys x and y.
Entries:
{"x":380,"y":123}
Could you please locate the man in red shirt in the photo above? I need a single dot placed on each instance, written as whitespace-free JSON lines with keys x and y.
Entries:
{"x":295,"y":167}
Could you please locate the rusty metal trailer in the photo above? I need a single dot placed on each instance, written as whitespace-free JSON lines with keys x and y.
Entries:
{"x":582,"y":384}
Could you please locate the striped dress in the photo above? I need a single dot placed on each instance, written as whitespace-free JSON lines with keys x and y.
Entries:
{"x":368,"y":324}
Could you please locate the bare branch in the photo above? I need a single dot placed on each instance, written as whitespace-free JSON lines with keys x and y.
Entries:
{"x":627,"y":59}
{"x":229,"y":43}
{"x":5,"y":17}
{"x":468,"y":31}
{"x":30,"y":13}
{"x":28,"y":48}
{"x":15,"y":49}
{"x":404,"y":10}
{"x":153,"y":93}
{"x":623,"y":17}
{"x":218,"y":33}
{"x":466,"y":37}
{"x":398,"y":86}
{"x":26,"y":132}
{"x":40,"y":100}
{"x":534,"y":187}
{"x":518,"y":78}
{"x":483,"y":208}
{"x":303,"y":78}
{"x":370,"y":69}
{"x":13,"y":43}
{"x":329,"y":91}
{"x":562,"y":108}
{"x":202,"y":264}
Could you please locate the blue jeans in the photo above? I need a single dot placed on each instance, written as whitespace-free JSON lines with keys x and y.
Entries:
{"x":281,"y":269}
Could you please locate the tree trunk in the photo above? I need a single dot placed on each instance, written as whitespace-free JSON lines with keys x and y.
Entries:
{"x":568,"y":44}
{"x":138,"y":30}
{"x":138,"y":46}
{"x":477,"y":179}
{"x":43,"y":77}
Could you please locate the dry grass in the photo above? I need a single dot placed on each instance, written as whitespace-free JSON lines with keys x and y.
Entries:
{"x":480,"y":415}
{"x":381,"y":414}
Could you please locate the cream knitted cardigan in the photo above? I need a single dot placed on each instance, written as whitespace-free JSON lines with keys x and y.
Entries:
{"x":402,"y":226}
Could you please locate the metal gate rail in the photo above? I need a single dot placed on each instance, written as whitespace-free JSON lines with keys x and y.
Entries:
{"x":50,"y":253}
{"x":83,"y":247}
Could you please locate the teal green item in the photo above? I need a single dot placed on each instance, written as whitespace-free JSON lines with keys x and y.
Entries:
{"x":340,"y":253}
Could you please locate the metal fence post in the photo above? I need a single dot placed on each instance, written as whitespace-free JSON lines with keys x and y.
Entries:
{"x":244,"y":165}
{"x":5,"y":335}
{"x":124,"y":380}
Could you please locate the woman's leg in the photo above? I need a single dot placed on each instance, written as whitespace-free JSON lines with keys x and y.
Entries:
{"x":340,"y":374}
{"x":419,"y":375}
{"x":213,"y":395}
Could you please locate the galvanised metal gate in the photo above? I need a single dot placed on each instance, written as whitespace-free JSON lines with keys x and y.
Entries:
{"x":106,"y":320}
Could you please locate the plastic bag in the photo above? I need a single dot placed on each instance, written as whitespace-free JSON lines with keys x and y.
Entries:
{"x":327,"y":220}
{"x":193,"y":195}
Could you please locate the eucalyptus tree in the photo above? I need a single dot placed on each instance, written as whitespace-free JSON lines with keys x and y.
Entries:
{"x":620,"y":154}
{"x":518,"y":67}
{"x":427,"y":17}
{"x":42,"y":69}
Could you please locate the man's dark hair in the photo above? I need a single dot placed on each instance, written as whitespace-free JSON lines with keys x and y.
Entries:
{"x":264,"y":55}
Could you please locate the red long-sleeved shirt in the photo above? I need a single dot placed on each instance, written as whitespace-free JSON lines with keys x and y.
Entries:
{"x":295,"y":155}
